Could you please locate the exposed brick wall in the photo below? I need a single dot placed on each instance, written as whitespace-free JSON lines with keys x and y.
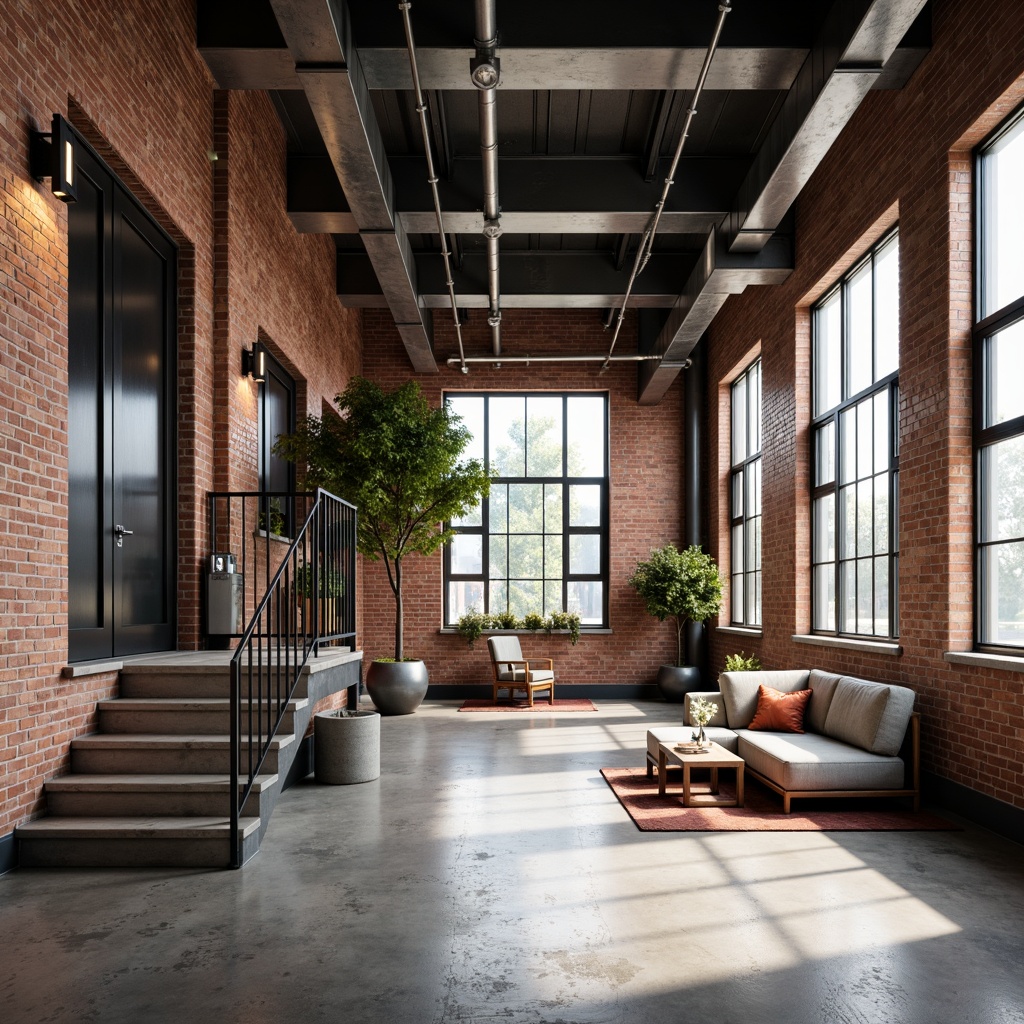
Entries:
{"x":137,"y":89}
{"x":645,"y":484}
{"x":906,"y":157}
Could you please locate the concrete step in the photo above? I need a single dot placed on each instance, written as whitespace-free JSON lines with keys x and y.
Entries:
{"x":194,"y":842}
{"x":164,"y":754}
{"x":192,"y":715}
{"x":149,"y":796}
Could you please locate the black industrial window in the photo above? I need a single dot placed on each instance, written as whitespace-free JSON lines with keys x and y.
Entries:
{"x":276,"y":475}
{"x":745,"y":498}
{"x":855,"y":366}
{"x":539,"y":543}
{"x":999,"y":391}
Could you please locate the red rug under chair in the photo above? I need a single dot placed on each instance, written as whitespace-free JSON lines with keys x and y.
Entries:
{"x":521,"y":705}
{"x":762,"y":811}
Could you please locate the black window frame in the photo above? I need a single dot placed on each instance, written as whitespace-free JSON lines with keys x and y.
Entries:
{"x":568,"y":531}
{"x":746,"y":471}
{"x":264,"y":450}
{"x":986,"y":434}
{"x":888,"y":386}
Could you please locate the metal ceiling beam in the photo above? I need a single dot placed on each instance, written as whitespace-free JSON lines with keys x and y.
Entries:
{"x":718,"y":274}
{"x":319,"y":37}
{"x":539,"y":195}
{"x":858,"y":39}
{"x":530,"y":280}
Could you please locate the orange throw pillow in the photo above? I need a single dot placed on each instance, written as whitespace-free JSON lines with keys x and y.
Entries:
{"x":780,"y":712}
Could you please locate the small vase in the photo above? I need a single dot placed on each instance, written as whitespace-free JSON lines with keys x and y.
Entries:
{"x":700,"y":737}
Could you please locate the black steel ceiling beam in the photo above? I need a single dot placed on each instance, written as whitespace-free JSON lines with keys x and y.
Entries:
{"x":319,"y":37}
{"x":539,"y":195}
{"x":534,"y":280}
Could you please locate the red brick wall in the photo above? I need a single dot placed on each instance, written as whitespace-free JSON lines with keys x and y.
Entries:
{"x":645,"y":484}
{"x":135,"y":86}
{"x":906,"y":157}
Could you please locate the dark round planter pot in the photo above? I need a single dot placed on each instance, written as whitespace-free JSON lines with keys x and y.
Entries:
{"x":396,"y":687}
{"x":676,"y":681}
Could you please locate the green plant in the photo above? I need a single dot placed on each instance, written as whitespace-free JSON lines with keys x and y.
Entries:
{"x":274,"y":514}
{"x":400,"y":463}
{"x":505,"y":620}
{"x":330,"y":582}
{"x":569,"y":621}
{"x":472,"y":624}
{"x":533,"y":621}
{"x":680,"y":585}
{"x":742,"y":663}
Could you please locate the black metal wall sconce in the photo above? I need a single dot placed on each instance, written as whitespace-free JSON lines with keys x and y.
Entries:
{"x":254,"y":362}
{"x":54,"y":155}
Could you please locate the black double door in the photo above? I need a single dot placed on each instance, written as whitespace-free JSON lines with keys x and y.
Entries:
{"x":121,"y":500}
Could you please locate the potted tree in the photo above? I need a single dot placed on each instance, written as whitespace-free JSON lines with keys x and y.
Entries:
{"x":400,"y":463}
{"x":684,"y":586}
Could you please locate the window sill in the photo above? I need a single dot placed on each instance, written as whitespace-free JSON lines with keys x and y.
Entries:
{"x":1005,"y":662}
{"x":584,"y":631}
{"x":751,"y":631}
{"x":843,"y":643}
{"x":91,"y":668}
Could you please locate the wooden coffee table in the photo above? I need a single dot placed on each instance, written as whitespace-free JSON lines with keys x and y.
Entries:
{"x":717,"y":757}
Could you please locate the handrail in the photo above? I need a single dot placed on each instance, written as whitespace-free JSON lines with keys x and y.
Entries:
{"x":309,"y":601}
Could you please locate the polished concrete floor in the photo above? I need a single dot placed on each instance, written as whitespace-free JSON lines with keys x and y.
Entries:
{"x":490,"y":875}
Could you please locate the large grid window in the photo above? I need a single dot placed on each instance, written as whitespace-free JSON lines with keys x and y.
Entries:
{"x":539,"y":543}
{"x":999,"y":391}
{"x":745,"y":498}
{"x":855,"y":556}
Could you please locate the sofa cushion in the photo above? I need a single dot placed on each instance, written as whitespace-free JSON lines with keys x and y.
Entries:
{"x":673,"y":734}
{"x":807,"y":761}
{"x":780,"y":712}
{"x":715,"y":697}
{"x":823,"y":686}
{"x":873,"y":716}
{"x":740,"y":691}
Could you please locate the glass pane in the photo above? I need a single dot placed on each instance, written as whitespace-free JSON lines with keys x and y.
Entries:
{"x":825,"y":465}
{"x":848,"y":528}
{"x":827,"y":363}
{"x":552,"y":596}
{"x":848,"y":597}
{"x":737,"y":548}
{"x":753,"y":558}
{"x":756,"y":620}
{"x":525,"y":596}
{"x":498,"y":516}
{"x":825,"y":597}
{"x":754,"y":416}
{"x":887,"y":310}
{"x":882,"y":597}
{"x":1002,"y":481}
{"x":584,"y":505}
{"x":498,"y":596}
{"x":498,"y":557}
{"x":865,"y":596}
{"x":858,"y":347}
{"x":586,"y":597}
{"x":881,"y":514}
{"x":470,"y":408}
{"x":865,"y":517}
{"x":543,"y":436}
{"x":525,"y":558}
{"x":474,"y":517}
{"x":737,"y":609}
{"x":737,"y":494}
{"x":553,"y":555}
{"x":865,"y":438}
{"x":881,"y":410}
{"x":553,"y":508}
{"x":586,"y":430}
{"x":825,"y":529}
{"x":585,"y":554}
{"x":1003,"y":597}
{"x":462,"y":596}
{"x":525,"y":508}
{"x":1004,"y":369}
{"x":754,"y":489}
{"x":507,"y":438}
{"x":1002,"y":221}
{"x":739,"y":421}
{"x":467,"y":552}
{"x":848,"y":445}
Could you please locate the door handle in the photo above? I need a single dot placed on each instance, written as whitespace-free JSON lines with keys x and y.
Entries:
{"x":120,"y":533}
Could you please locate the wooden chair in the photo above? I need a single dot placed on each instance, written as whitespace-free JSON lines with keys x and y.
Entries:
{"x":513,"y":672}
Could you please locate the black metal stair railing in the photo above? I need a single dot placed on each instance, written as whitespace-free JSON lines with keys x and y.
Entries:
{"x":309,"y":601}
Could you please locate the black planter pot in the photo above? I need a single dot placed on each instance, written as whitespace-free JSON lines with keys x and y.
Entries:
{"x":676,"y":681}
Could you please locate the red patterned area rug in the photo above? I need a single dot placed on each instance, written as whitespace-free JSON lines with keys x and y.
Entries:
{"x":762,"y":811}
{"x":521,"y":705}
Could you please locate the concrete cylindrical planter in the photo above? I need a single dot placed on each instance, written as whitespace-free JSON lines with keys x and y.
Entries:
{"x":397,"y":687}
{"x":346,"y":746}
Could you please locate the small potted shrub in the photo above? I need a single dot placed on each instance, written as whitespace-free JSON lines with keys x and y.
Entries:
{"x":742,"y":663}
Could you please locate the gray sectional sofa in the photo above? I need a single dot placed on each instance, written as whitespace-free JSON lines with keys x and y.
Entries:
{"x":856,"y":732}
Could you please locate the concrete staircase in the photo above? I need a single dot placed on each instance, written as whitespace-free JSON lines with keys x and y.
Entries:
{"x":152,"y":787}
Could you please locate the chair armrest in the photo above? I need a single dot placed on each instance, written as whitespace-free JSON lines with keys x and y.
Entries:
{"x":536,"y":661}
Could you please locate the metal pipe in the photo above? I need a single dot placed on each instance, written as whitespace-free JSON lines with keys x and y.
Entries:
{"x":643,"y":253}
{"x":596,"y":358}
{"x":485,"y":71}
{"x":421,"y":109}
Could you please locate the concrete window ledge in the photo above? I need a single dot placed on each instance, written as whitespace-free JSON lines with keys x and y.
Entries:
{"x":1002,"y":662}
{"x":843,"y":643}
{"x":91,"y":668}
{"x":753,"y":634}
{"x":584,"y":632}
